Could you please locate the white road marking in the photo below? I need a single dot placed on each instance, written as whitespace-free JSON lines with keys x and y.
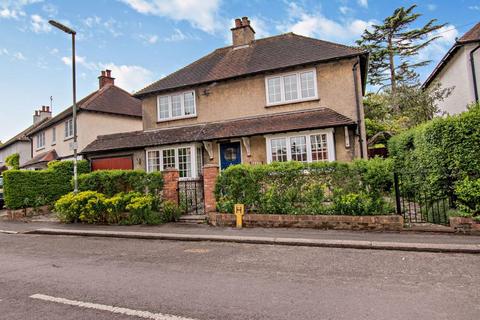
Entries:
{"x":103,"y":307}
{"x":8,"y":232}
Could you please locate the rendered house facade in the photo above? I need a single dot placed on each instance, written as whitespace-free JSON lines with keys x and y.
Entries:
{"x":281,"y":98}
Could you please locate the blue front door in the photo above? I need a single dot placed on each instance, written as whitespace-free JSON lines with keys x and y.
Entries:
{"x":230,"y":154}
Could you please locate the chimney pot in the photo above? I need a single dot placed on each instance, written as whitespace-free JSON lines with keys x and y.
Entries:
{"x":103,"y":73}
{"x":238,"y":23}
{"x":105,"y":78}
{"x":245,"y":21}
{"x":108,"y":72}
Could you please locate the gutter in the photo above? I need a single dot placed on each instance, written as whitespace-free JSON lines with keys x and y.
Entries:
{"x":474,"y":76}
{"x":357,"y":102}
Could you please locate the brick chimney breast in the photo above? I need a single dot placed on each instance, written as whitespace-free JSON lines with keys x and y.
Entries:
{"x":105,"y":79}
{"x":243,"y":33}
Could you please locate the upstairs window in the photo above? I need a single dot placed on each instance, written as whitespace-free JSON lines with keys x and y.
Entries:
{"x":176,"y":106}
{"x":54,"y":135}
{"x":41,"y":140}
{"x":68,"y":128}
{"x":291,"y":87}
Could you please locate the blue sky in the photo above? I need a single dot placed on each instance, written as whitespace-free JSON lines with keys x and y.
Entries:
{"x":143,"y":40}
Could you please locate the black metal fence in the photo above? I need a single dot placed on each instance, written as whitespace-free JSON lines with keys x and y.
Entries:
{"x":418,"y":205}
{"x":190,"y":196}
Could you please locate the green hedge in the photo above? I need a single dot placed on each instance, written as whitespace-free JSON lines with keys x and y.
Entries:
{"x":27,"y":188}
{"x":359,"y":188}
{"x":437,"y":154}
{"x":111,"y":182}
{"x":124,"y":208}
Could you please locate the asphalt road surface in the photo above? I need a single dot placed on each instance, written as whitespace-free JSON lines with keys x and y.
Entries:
{"x":54,"y":277}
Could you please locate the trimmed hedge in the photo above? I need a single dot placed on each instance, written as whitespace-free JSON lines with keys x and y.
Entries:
{"x":124,"y":208}
{"x":359,"y":188}
{"x":437,"y":154}
{"x":111,"y":182}
{"x":27,"y":188}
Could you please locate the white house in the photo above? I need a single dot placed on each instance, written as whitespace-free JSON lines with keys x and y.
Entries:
{"x":460,"y":69}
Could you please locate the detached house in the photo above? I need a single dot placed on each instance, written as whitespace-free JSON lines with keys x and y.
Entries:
{"x":459,"y":69}
{"x":281,"y":98}
{"x":20,"y":143}
{"x":108,"y":110}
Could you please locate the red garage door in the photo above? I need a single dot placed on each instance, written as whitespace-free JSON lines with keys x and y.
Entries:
{"x":124,"y":163}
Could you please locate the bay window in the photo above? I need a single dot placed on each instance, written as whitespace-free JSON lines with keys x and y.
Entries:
{"x":308,"y":146}
{"x":291,"y":87}
{"x":183,"y":158}
{"x":176,"y":106}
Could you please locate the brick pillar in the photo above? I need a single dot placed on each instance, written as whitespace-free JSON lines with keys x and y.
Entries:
{"x":210,"y":174}
{"x":170,"y":185}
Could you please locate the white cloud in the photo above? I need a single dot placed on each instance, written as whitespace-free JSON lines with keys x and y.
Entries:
{"x":54,"y":51}
{"x":317,"y":25}
{"x":111,"y":25}
{"x":431,"y":7}
{"x":475,"y":7}
{"x":19,"y":56}
{"x":129,"y":77}
{"x":39,"y":24}
{"x":3,"y":51}
{"x":13,"y":9}
{"x":260,"y":27}
{"x":345,"y":10}
{"x":363,"y":3}
{"x":50,"y":9}
{"x":201,"y":14}
{"x":435,"y":51}
{"x":82,"y":61}
{"x":149,"y":38}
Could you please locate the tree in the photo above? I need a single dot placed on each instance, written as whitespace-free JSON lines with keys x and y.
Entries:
{"x":13,"y":161}
{"x":393,"y":44}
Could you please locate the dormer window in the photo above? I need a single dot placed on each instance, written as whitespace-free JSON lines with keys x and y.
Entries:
{"x":176,"y":106}
{"x":291,"y":87}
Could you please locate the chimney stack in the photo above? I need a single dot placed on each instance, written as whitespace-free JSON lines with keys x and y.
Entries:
{"x":242,"y":33}
{"x":105,"y":79}
{"x":41,"y":114}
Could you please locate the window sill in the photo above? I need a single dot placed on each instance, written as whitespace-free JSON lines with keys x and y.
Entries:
{"x":291,"y":102}
{"x":40,"y":149}
{"x":176,"y":118}
{"x":68,"y":138}
{"x":54,"y":144}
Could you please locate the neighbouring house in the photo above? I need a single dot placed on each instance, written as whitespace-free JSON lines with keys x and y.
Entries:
{"x":108,"y":110}
{"x":459,"y":69}
{"x":20,"y":143}
{"x":286,"y":97}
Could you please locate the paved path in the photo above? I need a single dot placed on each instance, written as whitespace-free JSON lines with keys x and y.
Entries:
{"x":407,"y":236}
{"x":55,"y":277}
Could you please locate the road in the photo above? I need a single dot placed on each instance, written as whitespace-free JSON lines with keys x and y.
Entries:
{"x":53,"y":277}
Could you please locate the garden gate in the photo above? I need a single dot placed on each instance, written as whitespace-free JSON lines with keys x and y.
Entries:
{"x":190,"y":196}
{"x":420,"y":206}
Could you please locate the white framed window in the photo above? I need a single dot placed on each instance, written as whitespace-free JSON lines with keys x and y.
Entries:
{"x":41,"y":140}
{"x":176,"y":106}
{"x":291,"y":87}
{"x":54,"y":135}
{"x":307,"y":146}
{"x":68,"y":129}
{"x":185,"y":158}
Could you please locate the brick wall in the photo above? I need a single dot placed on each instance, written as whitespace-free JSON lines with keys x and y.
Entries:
{"x":170,"y":185}
{"x":210,"y":173}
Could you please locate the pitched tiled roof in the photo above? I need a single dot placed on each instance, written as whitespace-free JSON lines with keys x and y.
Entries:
{"x":472,"y":35}
{"x":282,"y":122}
{"x":22,"y":136}
{"x":43,"y":157}
{"x":109,"y":99}
{"x":286,"y":50}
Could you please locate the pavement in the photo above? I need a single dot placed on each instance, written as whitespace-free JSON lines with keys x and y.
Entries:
{"x":64,"y":277}
{"x":406,"y":241}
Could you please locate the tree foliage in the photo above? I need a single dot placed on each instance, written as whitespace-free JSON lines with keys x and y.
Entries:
{"x":13,"y":161}
{"x":394,"y":46}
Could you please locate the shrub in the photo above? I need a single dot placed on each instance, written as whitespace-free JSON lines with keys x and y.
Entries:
{"x":13,"y":161}
{"x":468,"y":196}
{"x":111,"y":182}
{"x":87,"y":206}
{"x":300,"y":188}
{"x":27,"y":188}
{"x":169,"y":212}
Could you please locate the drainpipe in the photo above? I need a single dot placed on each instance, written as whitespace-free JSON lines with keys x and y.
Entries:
{"x":474,"y":77}
{"x":357,"y":102}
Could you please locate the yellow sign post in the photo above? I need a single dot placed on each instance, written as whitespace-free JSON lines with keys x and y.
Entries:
{"x":239,"y":211}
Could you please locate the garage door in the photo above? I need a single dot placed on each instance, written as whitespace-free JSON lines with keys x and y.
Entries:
{"x":124,"y":163}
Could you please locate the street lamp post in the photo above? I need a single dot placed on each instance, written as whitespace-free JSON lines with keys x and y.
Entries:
{"x":66,"y":29}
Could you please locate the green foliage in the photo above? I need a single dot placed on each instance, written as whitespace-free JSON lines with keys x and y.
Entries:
{"x":434,"y":156}
{"x":468,"y":196}
{"x":300,"y":188}
{"x":123,"y":208}
{"x":27,"y":188}
{"x":13,"y":161}
{"x":111,"y":182}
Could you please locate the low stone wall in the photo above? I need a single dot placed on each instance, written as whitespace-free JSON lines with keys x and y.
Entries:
{"x":20,"y":214}
{"x":464,"y":225}
{"x":341,"y":222}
